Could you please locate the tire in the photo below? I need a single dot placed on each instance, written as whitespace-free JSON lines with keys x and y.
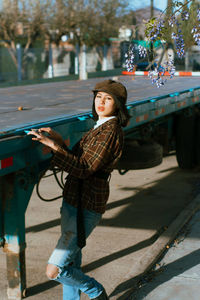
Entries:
{"x":140,"y":155}
{"x":197,"y":142}
{"x":185,"y":141}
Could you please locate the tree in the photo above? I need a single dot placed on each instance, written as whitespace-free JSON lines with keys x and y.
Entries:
{"x":22,"y":23}
{"x":182,"y":20}
{"x":87,"y":22}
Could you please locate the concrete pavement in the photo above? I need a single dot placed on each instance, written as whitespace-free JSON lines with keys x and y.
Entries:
{"x":142,"y":206}
{"x":177,"y":274}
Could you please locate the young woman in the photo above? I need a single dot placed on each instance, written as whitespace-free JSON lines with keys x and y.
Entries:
{"x":86,"y":190}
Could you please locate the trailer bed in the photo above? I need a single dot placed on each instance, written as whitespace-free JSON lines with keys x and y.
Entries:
{"x":48,"y":101}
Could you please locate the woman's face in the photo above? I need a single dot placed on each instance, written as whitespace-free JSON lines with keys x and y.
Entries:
{"x":104,"y":105}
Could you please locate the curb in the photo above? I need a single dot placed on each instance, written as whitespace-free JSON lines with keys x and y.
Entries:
{"x":148,"y":260}
{"x":145,"y":73}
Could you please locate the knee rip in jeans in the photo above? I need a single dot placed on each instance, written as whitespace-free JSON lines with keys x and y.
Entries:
{"x":53,"y":272}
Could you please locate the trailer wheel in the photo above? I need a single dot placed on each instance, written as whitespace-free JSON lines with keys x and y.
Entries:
{"x":185,"y":141}
{"x":139,"y":155}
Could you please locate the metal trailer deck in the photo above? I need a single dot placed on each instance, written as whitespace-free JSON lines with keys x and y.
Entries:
{"x":65,"y":106}
{"x":49,"y":101}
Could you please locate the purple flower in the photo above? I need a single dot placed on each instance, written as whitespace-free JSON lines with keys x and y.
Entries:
{"x":173,"y":35}
{"x":185,"y":15}
{"x":156,"y":31}
{"x":179,"y":42}
{"x":196,"y":35}
{"x":170,"y":66}
{"x":173,"y":21}
{"x":197,"y":38}
{"x":142,"y":51}
{"x":130,"y":57}
{"x":198,"y":14}
{"x":194,"y":29}
{"x":157,"y":75}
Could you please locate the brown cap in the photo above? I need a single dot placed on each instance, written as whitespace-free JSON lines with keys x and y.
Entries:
{"x":114,"y":88}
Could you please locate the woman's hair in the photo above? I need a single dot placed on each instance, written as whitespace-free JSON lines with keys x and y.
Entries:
{"x":121,"y":112}
{"x":119,"y":93}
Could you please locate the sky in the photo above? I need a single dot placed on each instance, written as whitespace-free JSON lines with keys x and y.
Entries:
{"x":135,"y":4}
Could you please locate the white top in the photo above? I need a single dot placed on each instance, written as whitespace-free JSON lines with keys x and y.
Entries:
{"x":101,"y":121}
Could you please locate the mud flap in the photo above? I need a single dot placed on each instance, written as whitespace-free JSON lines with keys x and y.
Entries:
{"x":185,"y":140}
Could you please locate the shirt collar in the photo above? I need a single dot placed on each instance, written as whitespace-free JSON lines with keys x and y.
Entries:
{"x":101,"y":121}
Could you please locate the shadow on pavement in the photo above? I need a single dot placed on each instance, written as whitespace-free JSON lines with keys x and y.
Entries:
{"x":168,"y":272}
{"x":150,"y":207}
{"x":154,"y":205}
{"x":106,"y":259}
{"x":41,"y":287}
{"x":43,"y":226}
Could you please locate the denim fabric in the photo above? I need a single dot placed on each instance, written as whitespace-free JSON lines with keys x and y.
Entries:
{"x":67,"y":255}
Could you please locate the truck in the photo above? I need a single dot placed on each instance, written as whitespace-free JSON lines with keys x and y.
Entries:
{"x":161,"y":120}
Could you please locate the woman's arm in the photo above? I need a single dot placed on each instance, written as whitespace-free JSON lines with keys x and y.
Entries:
{"x":96,"y":157}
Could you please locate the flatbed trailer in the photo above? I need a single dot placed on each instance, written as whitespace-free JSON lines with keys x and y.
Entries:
{"x":168,"y":116}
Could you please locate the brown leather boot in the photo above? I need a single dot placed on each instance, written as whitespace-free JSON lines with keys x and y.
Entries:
{"x":102,"y":296}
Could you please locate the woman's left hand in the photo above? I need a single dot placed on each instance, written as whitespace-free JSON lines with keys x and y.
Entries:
{"x":38,"y":136}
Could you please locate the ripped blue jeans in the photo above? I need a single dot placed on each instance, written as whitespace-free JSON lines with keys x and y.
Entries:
{"x":67,"y":255}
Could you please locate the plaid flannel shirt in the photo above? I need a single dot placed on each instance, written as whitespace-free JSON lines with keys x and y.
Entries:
{"x":98,"y":150}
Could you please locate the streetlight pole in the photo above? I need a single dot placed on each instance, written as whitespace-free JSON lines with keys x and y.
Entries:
{"x":19,"y":62}
{"x":151,"y":43}
{"x":152,"y":9}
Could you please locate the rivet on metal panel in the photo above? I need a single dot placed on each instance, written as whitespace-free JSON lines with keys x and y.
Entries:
{"x":26,"y":177}
{"x":67,"y":142}
{"x":46,"y":150}
{"x":174,"y":94}
{"x":23,"y":180}
{"x":83,"y":118}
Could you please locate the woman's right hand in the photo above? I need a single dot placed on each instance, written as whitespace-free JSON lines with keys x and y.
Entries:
{"x":53,"y":135}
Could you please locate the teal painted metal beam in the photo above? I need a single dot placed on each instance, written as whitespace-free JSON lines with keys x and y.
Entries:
{"x":23,"y":152}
